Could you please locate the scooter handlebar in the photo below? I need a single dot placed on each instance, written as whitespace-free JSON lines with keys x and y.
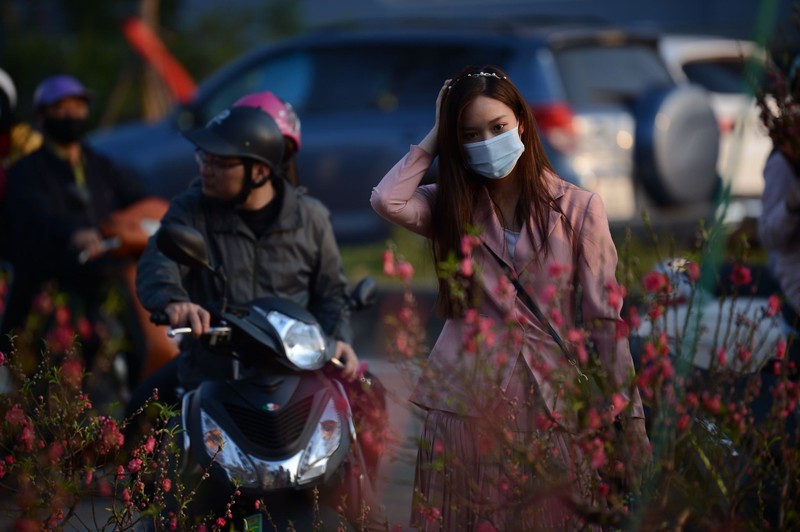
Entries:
{"x":109,"y":244}
{"x":172,"y":333}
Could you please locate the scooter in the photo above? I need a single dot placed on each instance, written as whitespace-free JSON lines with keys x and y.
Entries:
{"x":281,"y":431}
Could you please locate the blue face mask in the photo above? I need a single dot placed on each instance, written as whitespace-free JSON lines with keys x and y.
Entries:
{"x":496,"y":157}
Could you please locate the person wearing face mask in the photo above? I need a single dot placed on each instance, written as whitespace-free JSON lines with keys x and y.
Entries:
{"x":17,"y":138}
{"x":57,"y":198}
{"x":498,"y":204}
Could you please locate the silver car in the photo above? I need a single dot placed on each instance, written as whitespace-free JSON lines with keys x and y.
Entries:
{"x":726,"y":68}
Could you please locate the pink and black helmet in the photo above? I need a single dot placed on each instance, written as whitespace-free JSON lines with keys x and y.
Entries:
{"x":282,"y":112}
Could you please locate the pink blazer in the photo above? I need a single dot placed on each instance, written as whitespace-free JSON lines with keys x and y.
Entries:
{"x":462,"y":380}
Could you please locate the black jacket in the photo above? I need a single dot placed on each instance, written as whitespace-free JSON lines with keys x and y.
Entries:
{"x":43,"y":208}
{"x":296,"y":257}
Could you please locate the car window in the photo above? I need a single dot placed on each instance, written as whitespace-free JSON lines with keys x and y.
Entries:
{"x":289,"y":76}
{"x":595,"y":75}
{"x":369,"y":77}
{"x":725,"y":76}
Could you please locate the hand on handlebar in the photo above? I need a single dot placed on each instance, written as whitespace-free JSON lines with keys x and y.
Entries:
{"x":347,"y":356}
{"x":186,"y":314}
{"x":88,"y":242}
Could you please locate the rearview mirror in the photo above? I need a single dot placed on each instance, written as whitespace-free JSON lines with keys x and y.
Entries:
{"x":183,"y":244}
{"x":364,"y":294}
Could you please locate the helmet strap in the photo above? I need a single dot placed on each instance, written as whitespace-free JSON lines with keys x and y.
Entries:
{"x":259,"y":184}
{"x":247,"y":185}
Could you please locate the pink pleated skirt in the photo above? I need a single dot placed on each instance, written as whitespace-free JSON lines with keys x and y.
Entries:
{"x":499,"y":472}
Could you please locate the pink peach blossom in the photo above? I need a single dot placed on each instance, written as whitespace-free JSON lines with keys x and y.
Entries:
{"x":466,"y":267}
{"x":740,"y":275}
{"x":134,"y":465}
{"x":656,"y":282}
{"x":71,"y":372}
{"x":693,"y":271}
{"x":773,"y":305}
{"x":555,"y":269}
{"x":405,"y":271}
{"x":548,"y":294}
{"x":388,"y":263}
{"x":15,"y":416}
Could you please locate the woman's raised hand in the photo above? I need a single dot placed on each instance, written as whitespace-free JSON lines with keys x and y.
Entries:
{"x":439,"y":99}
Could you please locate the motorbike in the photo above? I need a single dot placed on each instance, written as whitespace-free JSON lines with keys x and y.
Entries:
{"x":125,"y":234}
{"x":281,"y":430}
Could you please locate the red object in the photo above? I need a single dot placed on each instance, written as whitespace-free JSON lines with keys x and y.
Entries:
{"x":555,"y":122}
{"x":152,"y":49}
{"x":130,"y":226}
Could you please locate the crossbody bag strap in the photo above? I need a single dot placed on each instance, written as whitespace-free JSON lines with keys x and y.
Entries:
{"x":531,"y":304}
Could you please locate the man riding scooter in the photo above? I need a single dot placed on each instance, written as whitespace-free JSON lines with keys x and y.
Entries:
{"x":272,"y":239}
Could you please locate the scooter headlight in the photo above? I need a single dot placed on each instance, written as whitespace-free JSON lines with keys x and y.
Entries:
{"x":304,"y":343}
{"x":233,"y":461}
{"x":326,"y":439}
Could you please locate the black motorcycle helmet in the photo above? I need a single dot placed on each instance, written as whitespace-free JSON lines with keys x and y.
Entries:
{"x":245,"y":132}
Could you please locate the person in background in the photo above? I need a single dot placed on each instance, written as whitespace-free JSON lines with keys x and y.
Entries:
{"x":779,"y":222}
{"x":57,"y":197}
{"x":494,"y":178}
{"x":779,"y":234}
{"x":166,"y":379}
{"x":289,"y":123}
{"x":17,"y":138}
{"x":320,"y":286}
{"x":246,"y":210}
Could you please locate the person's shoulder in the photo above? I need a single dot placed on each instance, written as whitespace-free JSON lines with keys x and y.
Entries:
{"x":188,"y":199}
{"x":25,"y":163}
{"x":577,"y":204}
{"x":193,"y":193}
{"x":24,"y":140}
{"x":778,"y":165}
{"x":307,"y":202}
{"x":569,"y":195}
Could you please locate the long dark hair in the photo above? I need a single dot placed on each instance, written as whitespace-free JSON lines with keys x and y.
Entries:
{"x":289,"y":162}
{"x":459,"y":187}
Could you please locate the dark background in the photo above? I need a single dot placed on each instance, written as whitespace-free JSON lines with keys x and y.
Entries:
{"x":82,"y":37}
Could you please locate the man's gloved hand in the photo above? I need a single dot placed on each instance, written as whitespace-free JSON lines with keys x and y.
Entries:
{"x":186,"y":314}
{"x":89,"y":242}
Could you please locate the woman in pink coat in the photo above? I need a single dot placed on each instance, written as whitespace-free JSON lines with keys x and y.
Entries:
{"x":495,"y":365}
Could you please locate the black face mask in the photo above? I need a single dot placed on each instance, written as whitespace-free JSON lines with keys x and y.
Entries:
{"x":65,"y":130}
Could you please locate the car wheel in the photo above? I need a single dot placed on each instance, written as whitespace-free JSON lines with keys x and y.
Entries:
{"x":676,"y":146}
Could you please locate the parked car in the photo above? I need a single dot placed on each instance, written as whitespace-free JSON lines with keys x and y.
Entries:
{"x":727,"y":68}
{"x":612,"y":118}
